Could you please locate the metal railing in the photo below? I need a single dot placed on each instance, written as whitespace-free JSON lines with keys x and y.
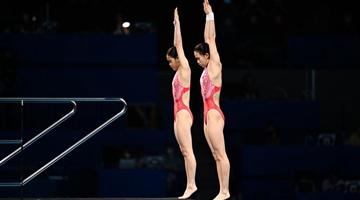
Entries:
{"x":51,"y":127}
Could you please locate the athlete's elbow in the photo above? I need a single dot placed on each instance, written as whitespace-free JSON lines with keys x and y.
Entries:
{"x":211,"y":38}
{"x":177,"y":44}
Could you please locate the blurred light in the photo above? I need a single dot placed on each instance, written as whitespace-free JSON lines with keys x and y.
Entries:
{"x":33,"y":18}
{"x":126,"y":24}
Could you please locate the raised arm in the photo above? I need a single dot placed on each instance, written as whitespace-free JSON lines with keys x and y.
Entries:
{"x":210,"y":35}
{"x":206,"y":31}
{"x":184,"y":64}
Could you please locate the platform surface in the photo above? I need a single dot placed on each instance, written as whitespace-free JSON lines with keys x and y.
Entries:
{"x":168,"y":198}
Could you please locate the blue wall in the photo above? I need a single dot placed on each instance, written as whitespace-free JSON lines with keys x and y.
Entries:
{"x":329,"y":51}
{"x":82,"y":48}
{"x":335,"y":51}
{"x":289,"y":115}
{"x":285,"y":160}
{"x":270,"y":170}
{"x":149,"y":183}
{"x":135,"y":85}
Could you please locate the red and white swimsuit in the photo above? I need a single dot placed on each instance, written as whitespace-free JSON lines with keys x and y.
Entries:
{"x":208,"y":89}
{"x":178,"y":91}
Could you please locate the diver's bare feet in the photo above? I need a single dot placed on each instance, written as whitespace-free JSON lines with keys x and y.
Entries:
{"x":188,"y":192}
{"x":222,"y":196}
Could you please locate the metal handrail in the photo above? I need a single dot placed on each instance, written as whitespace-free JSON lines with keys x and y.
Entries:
{"x":74,"y":146}
{"x":10,"y":142}
{"x":40,"y":135}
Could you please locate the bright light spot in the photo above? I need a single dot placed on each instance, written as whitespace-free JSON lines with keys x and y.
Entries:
{"x":126,"y":24}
